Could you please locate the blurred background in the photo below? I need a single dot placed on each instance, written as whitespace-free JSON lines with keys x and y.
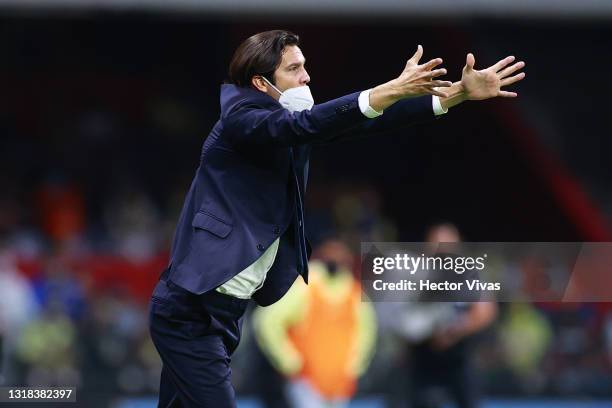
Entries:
{"x":104,"y":107}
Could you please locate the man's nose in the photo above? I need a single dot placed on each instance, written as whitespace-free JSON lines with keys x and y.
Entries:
{"x":306,"y":79}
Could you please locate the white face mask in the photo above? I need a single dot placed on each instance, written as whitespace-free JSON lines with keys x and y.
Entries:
{"x":294,"y":99}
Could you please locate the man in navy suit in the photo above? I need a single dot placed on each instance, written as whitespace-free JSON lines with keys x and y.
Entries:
{"x":240,"y":235}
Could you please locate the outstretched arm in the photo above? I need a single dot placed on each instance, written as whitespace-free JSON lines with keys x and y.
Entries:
{"x":476,"y":85}
{"x":400,"y":115}
{"x":249,"y":124}
{"x":405,"y":100}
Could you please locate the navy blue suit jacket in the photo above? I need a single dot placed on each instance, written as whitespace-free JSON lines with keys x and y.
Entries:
{"x":249,"y":187}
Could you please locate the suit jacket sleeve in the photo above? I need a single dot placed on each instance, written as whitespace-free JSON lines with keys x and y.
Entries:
{"x":399,"y":115}
{"x":252,"y":124}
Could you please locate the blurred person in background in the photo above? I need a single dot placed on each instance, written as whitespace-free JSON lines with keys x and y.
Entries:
{"x":241,"y":231}
{"x":525,"y":336}
{"x":61,"y":207}
{"x":47,"y":346}
{"x":133,"y":223}
{"x":58,"y":284}
{"x":18,"y":308}
{"x":47,"y":349}
{"x":442,"y":355}
{"x":320,"y":336}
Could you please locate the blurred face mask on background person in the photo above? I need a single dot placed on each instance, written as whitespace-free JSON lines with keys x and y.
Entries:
{"x":294,"y":99}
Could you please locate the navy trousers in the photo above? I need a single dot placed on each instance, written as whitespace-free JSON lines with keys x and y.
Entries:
{"x":195,"y":336}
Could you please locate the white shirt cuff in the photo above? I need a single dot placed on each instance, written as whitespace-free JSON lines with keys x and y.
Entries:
{"x":437,"y":106}
{"x":364,"y":105}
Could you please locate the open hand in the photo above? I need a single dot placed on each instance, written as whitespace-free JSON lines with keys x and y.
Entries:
{"x":418,"y":80}
{"x":487,"y":83}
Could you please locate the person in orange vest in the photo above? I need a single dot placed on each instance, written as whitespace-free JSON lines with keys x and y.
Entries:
{"x":320,"y":336}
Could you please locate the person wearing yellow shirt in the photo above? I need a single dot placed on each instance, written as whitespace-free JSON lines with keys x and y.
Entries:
{"x":320,"y":336}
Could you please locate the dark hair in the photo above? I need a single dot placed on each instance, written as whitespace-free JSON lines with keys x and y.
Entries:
{"x":260,"y":54}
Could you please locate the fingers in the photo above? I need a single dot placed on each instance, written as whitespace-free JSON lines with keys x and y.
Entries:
{"x":513,"y":79}
{"x":437,"y":92}
{"x":434,"y":73}
{"x":441,"y":84}
{"x":419,"y":79}
{"x":506,"y":94}
{"x":502,"y":64}
{"x":470,"y":61}
{"x":417,"y":55}
{"x":511,"y":69}
{"x":431,"y":64}
{"x":436,"y":88}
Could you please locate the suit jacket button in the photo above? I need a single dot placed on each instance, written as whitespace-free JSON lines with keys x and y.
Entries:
{"x":277,"y":230}
{"x":260,"y":247}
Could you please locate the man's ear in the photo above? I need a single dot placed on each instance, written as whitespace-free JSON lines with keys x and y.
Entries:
{"x":259,"y":84}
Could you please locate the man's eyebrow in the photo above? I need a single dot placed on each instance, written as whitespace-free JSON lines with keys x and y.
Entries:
{"x":296,"y":64}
